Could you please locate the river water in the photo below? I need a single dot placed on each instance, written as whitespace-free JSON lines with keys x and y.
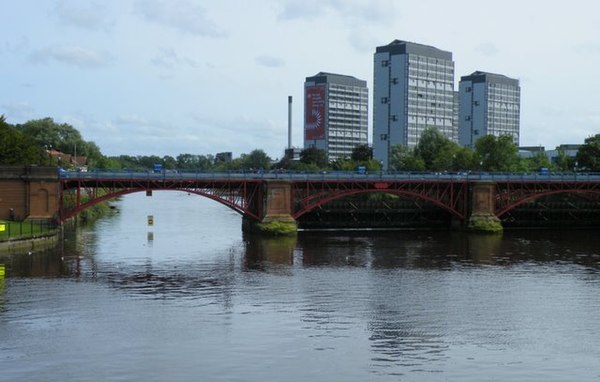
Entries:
{"x":193,"y":299}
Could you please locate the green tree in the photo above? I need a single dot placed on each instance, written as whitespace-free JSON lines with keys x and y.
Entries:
{"x":257,"y":160}
{"x":314,"y":156}
{"x":16,"y":148}
{"x":463,"y":159}
{"x":496,"y":153}
{"x":563,"y":162}
{"x":537,"y":161}
{"x":436,"y":150}
{"x":362,"y":153}
{"x":403,"y":158}
{"x":48,"y":134}
{"x":344,"y":164}
{"x":169,"y":162}
{"x":588,"y":156}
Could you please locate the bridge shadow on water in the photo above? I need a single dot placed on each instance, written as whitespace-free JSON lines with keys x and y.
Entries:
{"x":375,"y":249}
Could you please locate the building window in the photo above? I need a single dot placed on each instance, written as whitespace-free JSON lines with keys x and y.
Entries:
{"x":384,"y":99}
{"x":395,"y":80}
{"x":468,"y":89}
{"x":394,"y":117}
{"x":383,"y":137}
{"x":476,"y":103}
{"x":468,"y":118}
{"x":385,"y":63}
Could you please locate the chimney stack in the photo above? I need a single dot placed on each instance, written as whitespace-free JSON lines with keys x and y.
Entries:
{"x":289,"y":122}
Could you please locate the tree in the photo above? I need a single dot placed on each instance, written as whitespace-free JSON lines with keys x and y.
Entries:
{"x":257,"y":160}
{"x":563,"y":162}
{"x":169,"y":162}
{"x":463,"y":159}
{"x":48,"y":134}
{"x":436,"y":150}
{"x":362,"y":153}
{"x":344,"y":164}
{"x":496,"y":153}
{"x":16,"y":148}
{"x":588,"y":156}
{"x":537,"y":161}
{"x":403,"y":158}
{"x":314,"y":156}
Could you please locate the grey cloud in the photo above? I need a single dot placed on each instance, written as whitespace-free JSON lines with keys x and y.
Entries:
{"x":72,"y":55}
{"x":91,"y":16}
{"x":371,"y":12}
{"x":588,"y":48}
{"x":18,"y":112}
{"x":487,"y":49}
{"x":300,"y":10}
{"x":181,"y":15}
{"x":270,"y":61}
{"x":17,"y":46}
{"x":168,"y":58}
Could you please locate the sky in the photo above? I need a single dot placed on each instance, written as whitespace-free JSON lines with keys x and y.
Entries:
{"x":165,"y":77}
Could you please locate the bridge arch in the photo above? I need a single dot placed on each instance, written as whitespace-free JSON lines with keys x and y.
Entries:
{"x":412,"y":194}
{"x":68,"y":214}
{"x":528,"y":197}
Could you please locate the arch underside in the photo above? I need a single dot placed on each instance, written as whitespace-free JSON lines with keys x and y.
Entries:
{"x":449,"y":198}
{"x":238,"y":202}
{"x":507,"y":201}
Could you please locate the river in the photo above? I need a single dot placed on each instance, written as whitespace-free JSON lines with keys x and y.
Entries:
{"x":191,"y":298}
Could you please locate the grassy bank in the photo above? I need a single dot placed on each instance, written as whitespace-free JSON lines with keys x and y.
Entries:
{"x":11,"y":230}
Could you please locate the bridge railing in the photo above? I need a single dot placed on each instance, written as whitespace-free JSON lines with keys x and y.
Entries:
{"x":327,"y":175}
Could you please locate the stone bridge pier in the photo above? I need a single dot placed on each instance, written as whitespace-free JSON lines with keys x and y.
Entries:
{"x":482,"y":207}
{"x":276,"y":210}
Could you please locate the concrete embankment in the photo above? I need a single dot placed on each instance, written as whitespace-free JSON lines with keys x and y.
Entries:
{"x":32,"y":244}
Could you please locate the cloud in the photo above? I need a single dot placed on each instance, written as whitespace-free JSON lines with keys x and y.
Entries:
{"x":16,"y":46}
{"x":181,"y":15}
{"x":364,"y":21}
{"x":270,"y":61}
{"x":241,"y":134}
{"x":19,"y":112}
{"x":586,"y":48}
{"x":168,"y":58}
{"x":487,"y":49}
{"x":72,"y":55}
{"x":92,"y":16}
{"x":371,"y":12}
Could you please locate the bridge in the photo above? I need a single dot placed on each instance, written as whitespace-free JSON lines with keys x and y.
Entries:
{"x":287,"y":196}
{"x":267,"y":196}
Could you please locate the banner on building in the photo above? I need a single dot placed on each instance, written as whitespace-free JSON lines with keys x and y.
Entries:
{"x":314,"y":112}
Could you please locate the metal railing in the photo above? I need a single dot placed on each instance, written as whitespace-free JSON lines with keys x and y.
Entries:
{"x":330,"y":175}
{"x":10,"y":230}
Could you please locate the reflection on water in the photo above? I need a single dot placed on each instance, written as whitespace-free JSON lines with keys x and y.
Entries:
{"x":192,"y":295}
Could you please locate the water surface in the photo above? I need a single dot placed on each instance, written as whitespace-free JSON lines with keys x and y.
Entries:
{"x":192,"y":298}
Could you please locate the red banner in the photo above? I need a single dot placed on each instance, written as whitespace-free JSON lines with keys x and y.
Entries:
{"x":314,"y":112}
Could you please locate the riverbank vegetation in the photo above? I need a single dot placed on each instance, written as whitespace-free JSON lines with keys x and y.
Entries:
{"x":13,"y":230}
{"x":46,"y":142}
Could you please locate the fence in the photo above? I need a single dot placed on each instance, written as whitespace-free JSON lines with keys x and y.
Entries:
{"x":26,"y":229}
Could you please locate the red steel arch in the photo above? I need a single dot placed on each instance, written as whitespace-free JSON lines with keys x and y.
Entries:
{"x":450,"y":195}
{"x":510,"y":195}
{"x":242,"y":197}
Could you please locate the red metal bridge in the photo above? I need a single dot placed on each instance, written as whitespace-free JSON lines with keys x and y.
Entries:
{"x":257,"y":195}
